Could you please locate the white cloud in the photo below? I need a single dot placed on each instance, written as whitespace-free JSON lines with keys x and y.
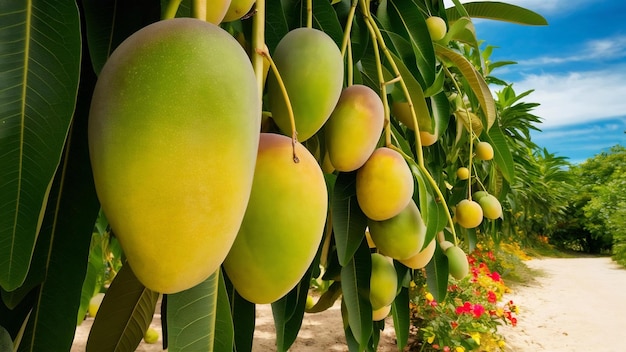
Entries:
{"x":609,"y":48}
{"x":576,"y":97}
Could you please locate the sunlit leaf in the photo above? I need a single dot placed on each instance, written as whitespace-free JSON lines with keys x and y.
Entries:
{"x":502,"y":154}
{"x":499,"y":11}
{"x":437,"y":275}
{"x":355,"y":282}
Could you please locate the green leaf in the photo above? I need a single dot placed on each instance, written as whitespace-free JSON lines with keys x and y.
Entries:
{"x":355,"y":284}
{"x":499,"y":11}
{"x":289,"y":311}
{"x":6,"y":343}
{"x":110,"y":22}
{"x":441,"y":112}
{"x":278,"y":21}
{"x":195,"y":316}
{"x":437,"y":275}
{"x":401,"y":318}
{"x":502,"y":154}
{"x":475,"y":80}
{"x":325,"y":19}
{"x":407,"y":20}
{"x":96,"y":268}
{"x":124,"y":315}
{"x":243,"y":317}
{"x":327,"y":299}
{"x":65,"y":236}
{"x":39,"y":70}
{"x":349,"y":222}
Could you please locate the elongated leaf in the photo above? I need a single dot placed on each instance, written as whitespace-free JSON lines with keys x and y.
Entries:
{"x":349,"y":222}
{"x":355,"y":283}
{"x":327,"y":299}
{"x":401,"y":317}
{"x":6,"y":343}
{"x":289,"y":311}
{"x":499,"y":11}
{"x":123,"y":316}
{"x":502,"y":154}
{"x":325,"y":19}
{"x":39,"y":69}
{"x":476,"y":81}
{"x":110,"y":22}
{"x":278,"y":21}
{"x":13,"y":320}
{"x":224,"y":326}
{"x":243,"y":316}
{"x":407,"y":20}
{"x":96,"y":268}
{"x":437,"y":275}
{"x":191,"y":317}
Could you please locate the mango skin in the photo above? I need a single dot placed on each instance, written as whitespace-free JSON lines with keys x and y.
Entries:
{"x":468,"y":214}
{"x":458,"y":266}
{"x":383,"y":281}
{"x":402,"y":112}
{"x":384,"y":184}
{"x":492,"y":209}
{"x":422,"y":258}
{"x":401,"y":236}
{"x":216,"y":10}
{"x":283,"y":225}
{"x":237,"y":9}
{"x":354,"y":127}
{"x":165,"y":103}
{"x":311,"y":67}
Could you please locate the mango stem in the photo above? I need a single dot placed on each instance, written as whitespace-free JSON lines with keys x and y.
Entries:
{"x":171,"y":9}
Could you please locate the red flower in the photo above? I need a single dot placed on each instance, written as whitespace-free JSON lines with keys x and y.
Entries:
{"x":478,"y":310}
{"x":491,"y":297}
{"x":454,"y":324}
{"x":495,"y":276}
{"x":465,"y":308}
{"x":491,"y":256}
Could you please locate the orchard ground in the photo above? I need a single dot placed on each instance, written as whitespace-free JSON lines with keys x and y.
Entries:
{"x":572,"y":304}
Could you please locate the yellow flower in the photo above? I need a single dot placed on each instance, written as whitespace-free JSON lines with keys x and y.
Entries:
{"x":459,"y":349}
{"x":429,"y":297}
{"x":430,"y":339}
{"x":475,"y":336}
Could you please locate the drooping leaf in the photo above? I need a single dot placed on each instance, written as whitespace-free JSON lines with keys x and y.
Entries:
{"x":96,"y":268}
{"x":502,"y":154}
{"x":6,"y":343}
{"x":39,"y":70}
{"x":192,"y":317}
{"x":224,"y":326}
{"x":349,"y":222}
{"x":475,"y":80}
{"x":325,"y":19}
{"x":14,"y":319}
{"x":124,"y":315}
{"x":279,"y":19}
{"x":327,"y":299}
{"x":355,"y":284}
{"x":437,"y":275}
{"x":401,"y":318}
{"x":499,"y":11}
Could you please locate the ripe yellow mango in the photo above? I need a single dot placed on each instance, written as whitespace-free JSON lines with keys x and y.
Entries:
{"x":384,"y":184}
{"x":237,"y":9}
{"x":283,"y":225}
{"x":215,"y":9}
{"x":468,"y":213}
{"x":354,"y":127}
{"x":311,"y":67}
{"x":422,"y":258}
{"x":401,"y":236}
{"x":173,"y":138}
{"x":383,"y":281}
{"x":401,"y":111}
{"x":492,"y":209}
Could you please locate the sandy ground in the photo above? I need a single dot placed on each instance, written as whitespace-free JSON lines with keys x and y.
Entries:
{"x":574,"y":305}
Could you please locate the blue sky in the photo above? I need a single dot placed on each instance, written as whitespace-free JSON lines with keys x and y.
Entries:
{"x":576,"y":66}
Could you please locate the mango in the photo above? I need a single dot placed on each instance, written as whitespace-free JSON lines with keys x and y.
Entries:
{"x":401,"y":111}
{"x":458,"y":266}
{"x":492,"y":209}
{"x":311,"y":67}
{"x":383,"y":281}
{"x":468,"y":214}
{"x":422,"y":258}
{"x":354,"y":127}
{"x":283,"y":225}
{"x":173,"y":138}
{"x":215,"y":10}
{"x":237,"y":9}
{"x":463,"y":173}
{"x":478,"y":195}
{"x":384,"y":184}
{"x":381,"y":313}
{"x":401,"y":236}
{"x":484,"y":151}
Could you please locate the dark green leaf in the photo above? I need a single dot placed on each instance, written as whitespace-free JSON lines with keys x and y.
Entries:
{"x":243,"y":314}
{"x":327,"y":299}
{"x":288,"y":313}
{"x":325,"y":19}
{"x":93,"y":279}
{"x":278,"y":21}
{"x":401,"y":317}
{"x":224,"y":326}
{"x":499,"y":11}
{"x":355,"y":284}
{"x":437,"y":275}
{"x":110,"y":22}
{"x":66,"y":233}
{"x":39,"y":70}
{"x":124,"y":315}
{"x":349,"y":222}
{"x":441,"y":112}
{"x":407,"y":20}
{"x":6,"y":343}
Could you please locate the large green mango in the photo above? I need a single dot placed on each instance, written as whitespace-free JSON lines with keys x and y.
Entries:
{"x":173,"y":137}
{"x":311,"y":67}
{"x":284,"y":222}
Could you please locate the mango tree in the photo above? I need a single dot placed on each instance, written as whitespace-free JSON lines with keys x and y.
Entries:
{"x":225,"y":154}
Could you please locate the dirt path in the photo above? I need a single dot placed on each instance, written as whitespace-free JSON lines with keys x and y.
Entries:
{"x":577,"y":304}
